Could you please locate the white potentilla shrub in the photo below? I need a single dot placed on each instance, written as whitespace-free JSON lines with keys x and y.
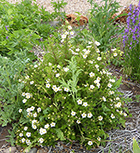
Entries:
{"x":90,"y":42}
{"x":34,"y":121}
{"x":118,"y":105}
{"x":66,"y":33}
{"x":115,"y":54}
{"x":28,"y":95}
{"x":32,"y":108}
{"x":112,"y":80}
{"x":85,"y":56}
{"x":97,"y":66}
{"x":34,"y":126}
{"x":89,"y":46}
{"x":117,"y":98}
{"x":58,"y":66}
{"x":63,"y":36}
{"x":92,"y":86}
{"x":87,"y":52}
{"x":28,"y":142}
{"x":77,"y":49}
{"x":109,"y":85}
{"x":113,"y":49}
{"x":98,"y":85}
{"x":57,"y":75}
{"x":124,"y":114}
{"x":70,"y":27}
{"x":23,"y":94}
{"x":35,"y":66}
{"x":27,"y":77}
{"x":72,"y":33}
{"x":97,"y":50}
{"x":99,"y":58}
{"x":104,"y":99}
{"x":66,"y":89}
{"x":35,"y":114}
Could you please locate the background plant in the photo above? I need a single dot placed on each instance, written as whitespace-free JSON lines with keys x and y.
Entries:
{"x":131,"y":43}
{"x":102,"y":25}
{"x":69,"y":96}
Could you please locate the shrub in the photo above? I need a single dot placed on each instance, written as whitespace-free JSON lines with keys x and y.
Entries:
{"x":131,"y":38}
{"x":69,"y":96}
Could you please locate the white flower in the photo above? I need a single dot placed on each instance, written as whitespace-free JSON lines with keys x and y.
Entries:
{"x":57,"y":75}
{"x":66,"y":89}
{"x":98,"y":85}
{"x":66,"y":33}
{"x":99,"y":58}
{"x":58,"y":66}
{"x":104,"y":99}
{"x":27,"y":77}
{"x":89,"y":46}
{"x":124,"y":114}
{"x":48,"y":85}
{"x":63,"y":36}
{"x":28,"y":95}
{"x":66,"y":69}
{"x":85,"y":56}
{"x":112,"y":80}
{"x":69,"y":27}
{"x":42,"y":131}
{"x":32,"y":108}
{"x":97,"y":50}
{"x":34,"y":126}
{"x":99,"y":139}
{"x":78,"y":122}
{"x":121,"y":112}
{"x":24,"y":100}
{"x":91,"y":74}
{"x":97,"y":66}
{"x":115,"y":54}
{"x":21,"y":134}
{"x":84,"y":50}
{"x":72,"y":33}
{"x":77,"y":49}
{"x":38,"y":109}
{"x":117,"y":98}
{"x":100,"y":118}
{"x":19,"y":80}
{"x":118,"y":105}
{"x":32,"y":82}
{"x":89,"y":115}
{"x":23,"y":140}
{"x":20,"y":110}
{"x":28,"y":110}
{"x":35,"y":114}
{"x":46,"y":126}
{"x":55,"y":88}
{"x":73,"y":113}
{"x":35,"y":66}
{"x":96,"y":81}
{"x":41,"y":140}
{"x":97,"y":43}
{"x":113,"y":49}
{"x":79,"y":102}
{"x":50,"y":64}
{"x":34,"y":121}
{"x":109,"y":85}
{"x":91,"y":62}
{"x":111,"y":92}
{"x":85,"y":104}
{"x":28,"y":134}
{"x":90,"y":42}
{"x":112,"y":116}
{"x":83,"y":115}
{"x":52,"y":124}
{"x":28,"y":142}
{"x":90,"y":143}
{"x":87,"y":52}
{"x":92,"y":86}
{"x":23,"y":94}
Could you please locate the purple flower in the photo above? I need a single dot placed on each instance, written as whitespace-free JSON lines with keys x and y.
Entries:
{"x":6,"y":27}
{"x":40,"y":39}
{"x":6,"y":37}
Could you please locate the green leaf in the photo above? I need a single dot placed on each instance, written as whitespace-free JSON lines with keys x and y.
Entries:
{"x":136,"y":148}
{"x":60,"y":134}
{"x":118,"y":83}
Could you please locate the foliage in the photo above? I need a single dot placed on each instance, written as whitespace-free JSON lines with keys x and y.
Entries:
{"x":10,"y":87}
{"x":69,"y":96}
{"x":101,"y":23}
{"x":23,"y":25}
{"x":131,"y":39}
{"x":136,"y":148}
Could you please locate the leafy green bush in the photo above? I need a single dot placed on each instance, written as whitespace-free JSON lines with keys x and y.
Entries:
{"x":69,"y":96}
{"x":23,"y":25}
{"x":101,"y":23}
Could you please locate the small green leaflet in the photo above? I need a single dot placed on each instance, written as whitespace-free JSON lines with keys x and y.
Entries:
{"x":60,"y":134}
